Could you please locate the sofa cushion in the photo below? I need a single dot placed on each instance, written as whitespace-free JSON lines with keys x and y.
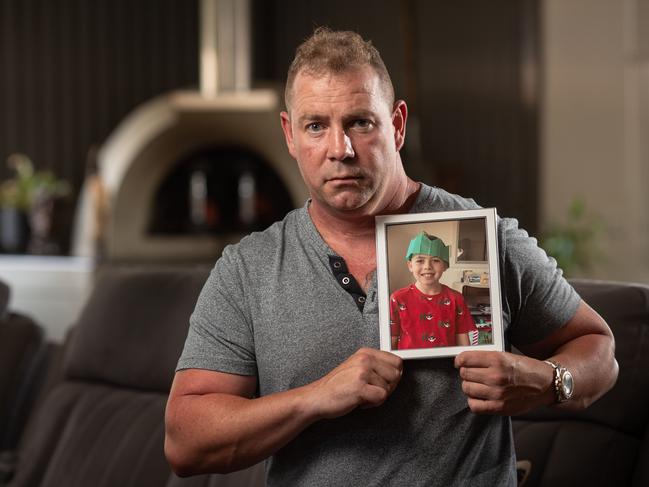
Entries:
{"x":133,"y":327}
{"x":103,"y":435}
{"x":94,"y":434}
{"x":575,"y":453}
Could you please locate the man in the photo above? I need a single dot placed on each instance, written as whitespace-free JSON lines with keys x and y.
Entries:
{"x":281,"y":359}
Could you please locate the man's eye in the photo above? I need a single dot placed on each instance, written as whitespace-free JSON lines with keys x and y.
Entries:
{"x":362,"y":124}
{"x":314,"y":127}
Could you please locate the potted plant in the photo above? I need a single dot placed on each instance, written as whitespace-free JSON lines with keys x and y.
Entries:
{"x":573,"y":243}
{"x":26,"y":203}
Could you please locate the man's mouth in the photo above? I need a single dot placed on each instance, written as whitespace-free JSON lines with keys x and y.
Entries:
{"x":343,"y":182}
{"x":343,"y":178}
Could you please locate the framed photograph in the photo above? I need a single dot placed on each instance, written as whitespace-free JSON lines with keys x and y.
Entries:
{"x":438,"y":283}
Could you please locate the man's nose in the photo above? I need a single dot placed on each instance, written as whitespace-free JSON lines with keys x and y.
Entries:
{"x":340,"y":146}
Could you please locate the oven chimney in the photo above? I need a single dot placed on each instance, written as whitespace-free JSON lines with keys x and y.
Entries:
{"x":224,"y":46}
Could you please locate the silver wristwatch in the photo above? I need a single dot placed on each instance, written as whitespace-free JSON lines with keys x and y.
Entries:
{"x":563,"y":382}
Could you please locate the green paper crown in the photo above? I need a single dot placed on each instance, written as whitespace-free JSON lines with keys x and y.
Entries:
{"x":427,"y":245}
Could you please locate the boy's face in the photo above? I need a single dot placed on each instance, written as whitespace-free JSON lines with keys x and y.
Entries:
{"x":426,"y":269}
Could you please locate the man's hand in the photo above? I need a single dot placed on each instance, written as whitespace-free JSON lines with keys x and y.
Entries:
{"x":365,"y":379}
{"x":214,"y":425}
{"x":504,"y":383}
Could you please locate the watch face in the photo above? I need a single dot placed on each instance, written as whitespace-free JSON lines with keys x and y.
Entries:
{"x":567,"y":384}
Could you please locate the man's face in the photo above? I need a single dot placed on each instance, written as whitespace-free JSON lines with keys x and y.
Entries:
{"x":345,"y":138}
{"x":426,"y":269}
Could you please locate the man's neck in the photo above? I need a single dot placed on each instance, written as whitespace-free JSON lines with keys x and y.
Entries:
{"x":361,"y":225}
{"x":353,"y":236}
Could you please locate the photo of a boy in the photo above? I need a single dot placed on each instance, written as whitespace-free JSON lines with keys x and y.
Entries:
{"x":427,"y":313}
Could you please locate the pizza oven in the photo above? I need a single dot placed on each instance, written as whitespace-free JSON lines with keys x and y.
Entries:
{"x":188,"y":172}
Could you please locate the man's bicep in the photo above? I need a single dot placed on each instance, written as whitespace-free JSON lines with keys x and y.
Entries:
{"x":585,"y":321}
{"x":201,"y":381}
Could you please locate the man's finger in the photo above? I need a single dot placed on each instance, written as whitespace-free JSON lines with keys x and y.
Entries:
{"x":489,"y":376}
{"x":476,"y":359}
{"x":383,"y":356}
{"x":386,"y":364}
{"x":475,"y":390}
{"x":377,"y":380}
{"x":389,"y":372}
{"x":373,"y":396}
{"x":480,"y":406}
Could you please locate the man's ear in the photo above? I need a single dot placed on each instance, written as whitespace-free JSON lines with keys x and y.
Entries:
{"x":399,"y":117}
{"x":288,"y":133}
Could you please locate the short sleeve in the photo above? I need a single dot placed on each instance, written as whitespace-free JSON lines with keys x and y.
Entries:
{"x":538,"y":298}
{"x":220,"y":333}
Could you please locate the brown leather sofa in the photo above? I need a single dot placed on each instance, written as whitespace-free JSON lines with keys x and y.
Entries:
{"x":100,"y":421}
{"x":608,"y":443}
{"x":23,"y":358}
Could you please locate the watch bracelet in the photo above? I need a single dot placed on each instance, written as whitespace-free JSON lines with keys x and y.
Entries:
{"x":557,"y":372}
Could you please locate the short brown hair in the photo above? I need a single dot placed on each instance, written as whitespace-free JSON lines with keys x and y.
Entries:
{"x":328,"y":51}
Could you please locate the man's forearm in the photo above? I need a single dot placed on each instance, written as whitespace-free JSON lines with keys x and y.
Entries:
{"x":228,"y":433}
{"x":213,"y":426}
{"x":591,"y":361}
{"x":586,"y":347}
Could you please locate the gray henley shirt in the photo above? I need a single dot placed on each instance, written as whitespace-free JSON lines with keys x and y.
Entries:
{"x":272,"y":308}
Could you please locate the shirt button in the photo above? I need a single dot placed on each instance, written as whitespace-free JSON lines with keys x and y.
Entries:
{"x":361,"y":299}
{"x":345,"y":280}
{"x":337,"y":265}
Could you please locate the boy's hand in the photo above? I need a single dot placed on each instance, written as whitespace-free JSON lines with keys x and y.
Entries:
{"x":504,"y":383}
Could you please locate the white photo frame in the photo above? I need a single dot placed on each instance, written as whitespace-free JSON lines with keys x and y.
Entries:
{"x":476,"y":279}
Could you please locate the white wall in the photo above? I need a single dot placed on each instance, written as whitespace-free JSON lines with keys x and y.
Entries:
{"x":594,"y":101}
{"x":50,"y":290}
